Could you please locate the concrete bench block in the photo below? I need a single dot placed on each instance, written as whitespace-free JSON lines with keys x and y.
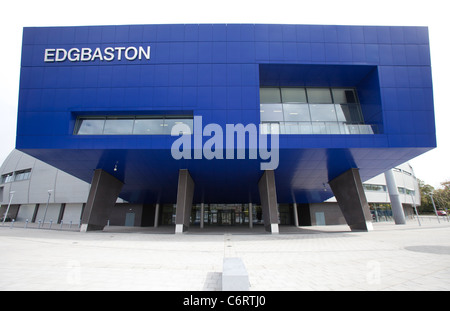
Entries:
{"x":234,"y":275}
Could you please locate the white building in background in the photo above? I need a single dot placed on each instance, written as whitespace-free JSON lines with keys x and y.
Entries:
{"x":377,"y":196}
{"x":27,"y":185}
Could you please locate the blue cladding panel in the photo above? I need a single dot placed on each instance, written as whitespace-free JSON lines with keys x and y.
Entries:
{"x":215,"y":71}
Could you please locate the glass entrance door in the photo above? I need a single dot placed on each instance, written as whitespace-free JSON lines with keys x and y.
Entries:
{"x":221,"y":214}
{"x":226,"y":217}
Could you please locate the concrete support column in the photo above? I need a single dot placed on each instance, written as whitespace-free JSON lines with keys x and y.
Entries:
{"x":202,"y":215}
{"x":396,"y":205}
{"x":350,"y":196}
{"x":295,"y":215}
{"x":185,"y":196}
{"x":250,"y":215}
{"x":103,"y":195}
{"x":268,"y":194}
{"x":155,"y":224}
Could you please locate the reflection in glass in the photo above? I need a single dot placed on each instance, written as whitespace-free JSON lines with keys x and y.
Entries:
{"x":118,"y":126}
{"x":323,"y":112}
{"x":344,"y":96}
{"x":91,"y":127}
{"x":148,"y":126}
{"x":131,"y":125}
{"x":296,"y":112}
{"x":349,"y":113}
{"x":271,"y":112}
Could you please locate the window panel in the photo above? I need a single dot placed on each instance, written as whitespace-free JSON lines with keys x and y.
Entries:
{"x":22,"y":175}
{"x":271,"y":112}
{"x":118,"y":126}
{"x":289,"y":128}
{"x":148,"y":126}
{"x":91,"y":126}
{"x":333,"y":128}
{"x":350,"y":113}
{"x":323,"y":112}
{"x":344,"y":96}
{"x":296,"y":112}
{"x":305,"y":128}
{"x":7,"y":178}
{"x":293,"y":95}
{"x":270,"y":128}
{"x":269,"y":95}
{"x":319,"y":128}
{"x":319,"y":95}
{"x":169,"y":123}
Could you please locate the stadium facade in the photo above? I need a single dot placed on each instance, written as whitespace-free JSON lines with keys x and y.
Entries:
{"x":235,"y":116}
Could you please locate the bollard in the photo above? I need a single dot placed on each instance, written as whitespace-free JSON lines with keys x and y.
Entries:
{"x":70,"y":224}
{"x":60,"y":226}
{"x":39,"y":225}
{"x":26,"y":223}
{"x":12,"y":224}
{"x":51,"y":221}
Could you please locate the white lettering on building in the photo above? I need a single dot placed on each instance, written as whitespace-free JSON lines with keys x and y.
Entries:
{"x":89,"y":55}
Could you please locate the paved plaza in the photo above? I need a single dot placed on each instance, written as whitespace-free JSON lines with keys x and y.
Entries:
{"x":392,"y":257}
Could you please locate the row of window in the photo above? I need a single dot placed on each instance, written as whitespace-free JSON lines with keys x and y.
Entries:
{"x":311,"y":112}
{"x":316,"y":128}
{"x":16,"y":176}
{"x":130,"y":125}
{"x":318,"y":95}
{"x":309,"y":104}
{"x":383,"y":188}
{"x":396,"y":169}
{"x":294,"y":110}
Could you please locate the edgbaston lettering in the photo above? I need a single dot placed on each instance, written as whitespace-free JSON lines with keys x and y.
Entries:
{"x":89,"y":55}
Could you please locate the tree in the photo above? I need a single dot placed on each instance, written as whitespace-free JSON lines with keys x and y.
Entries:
{"x":441,"y":197}
{"x":426,"y":206}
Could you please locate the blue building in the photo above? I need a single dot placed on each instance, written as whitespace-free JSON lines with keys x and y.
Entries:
{"x":332,"y":107}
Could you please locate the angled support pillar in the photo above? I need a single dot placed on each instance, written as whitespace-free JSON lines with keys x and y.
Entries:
{"x":350,"y":196}
{"x":103,"y":195}
{"x":185,"y":196}
{"x":268,"y":194}
{"x":396,"y":205}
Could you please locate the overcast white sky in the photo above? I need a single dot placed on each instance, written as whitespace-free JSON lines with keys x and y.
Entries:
{"x":433,"y":167}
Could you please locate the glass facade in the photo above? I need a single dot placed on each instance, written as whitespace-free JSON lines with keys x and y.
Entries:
{"x":295,"y":110}
{"x":130,"y":125}
{"x":226,"y":214}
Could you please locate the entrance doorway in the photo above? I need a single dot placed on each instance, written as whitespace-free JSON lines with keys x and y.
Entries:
{"x":129,"y":219}
{"x":224,"y":214}
{"x":226,"y":217}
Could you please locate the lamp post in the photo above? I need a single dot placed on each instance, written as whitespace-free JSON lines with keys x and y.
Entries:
{"x":415,"y":208}
{"x":434,"y":206}
{"x":9,"y":204}
{"x":48,"y":200}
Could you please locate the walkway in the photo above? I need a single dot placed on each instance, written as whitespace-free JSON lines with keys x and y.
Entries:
{"x":406,"y":257}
